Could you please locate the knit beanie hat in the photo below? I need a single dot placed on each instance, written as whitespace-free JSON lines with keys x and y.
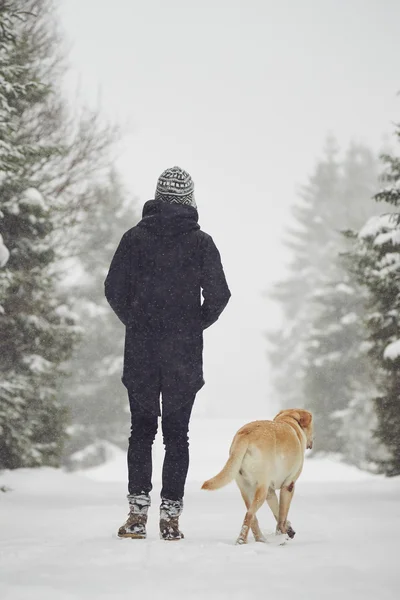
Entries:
{"x":176,"y":186}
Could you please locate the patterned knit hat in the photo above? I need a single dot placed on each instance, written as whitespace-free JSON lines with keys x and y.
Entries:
{"x":175,"y":185}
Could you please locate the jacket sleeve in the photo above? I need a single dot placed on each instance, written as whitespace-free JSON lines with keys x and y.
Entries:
{"x":215,"y":289}
{"x":117,"y":285}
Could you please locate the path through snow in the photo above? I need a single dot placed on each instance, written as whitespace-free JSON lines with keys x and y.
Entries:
{"x":58,"y":539}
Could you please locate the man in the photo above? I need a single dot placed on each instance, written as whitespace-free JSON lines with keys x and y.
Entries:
{"x":154,"y":285}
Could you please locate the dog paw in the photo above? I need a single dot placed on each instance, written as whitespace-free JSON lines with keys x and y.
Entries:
{"x":240,"y":542}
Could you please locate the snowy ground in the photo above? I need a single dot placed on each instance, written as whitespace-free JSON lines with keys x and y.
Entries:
{"x":58,"y":542}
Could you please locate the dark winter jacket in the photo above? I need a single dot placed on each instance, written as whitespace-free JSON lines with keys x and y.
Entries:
{"x":154,"y":286}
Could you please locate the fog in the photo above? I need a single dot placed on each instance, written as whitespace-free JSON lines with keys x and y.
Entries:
{"x":248,"y":96}
{"x":241,"y":94}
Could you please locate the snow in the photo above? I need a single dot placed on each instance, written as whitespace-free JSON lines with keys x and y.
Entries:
{"x":329,"y":357}
{"x":389,"y":264}
{"x":390,"y":258}
{"x":4,"y":253}
{"x":345,"y":289}
{"x":378,"y":224}
{"x":37,"y":322}
{"x":33,"y":198}
{"x":390,"y":236}
{"x":14,"y":209}
{"x":37,"y":363}
{"x":64,"y":312}
{"x":349,"y":319}
{"x":366,"y":346}
{"x":94,"y":310}
{"x":114,"y":366}
{"x":92,"y":452}
{"x":58,"y":535}
{"x":392,"y":351}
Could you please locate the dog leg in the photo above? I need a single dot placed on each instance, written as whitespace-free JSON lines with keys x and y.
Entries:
{"x":273,"y":503}
{"x":255,"y":527}
{"x":258,"y":501}
{"x":285,"y":499}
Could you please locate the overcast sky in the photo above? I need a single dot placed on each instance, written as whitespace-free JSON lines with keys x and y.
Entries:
{"x":240,"y":93}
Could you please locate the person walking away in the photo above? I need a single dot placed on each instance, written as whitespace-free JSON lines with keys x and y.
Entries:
{"x":161,"y":271}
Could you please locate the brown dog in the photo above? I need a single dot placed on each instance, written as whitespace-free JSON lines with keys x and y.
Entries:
{"x":266,"y":456}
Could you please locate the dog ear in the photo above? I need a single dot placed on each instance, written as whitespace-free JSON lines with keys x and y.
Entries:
{"x":305,"y":418}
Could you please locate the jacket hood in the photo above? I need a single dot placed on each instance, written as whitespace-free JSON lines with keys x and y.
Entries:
{"x":165,"y":219}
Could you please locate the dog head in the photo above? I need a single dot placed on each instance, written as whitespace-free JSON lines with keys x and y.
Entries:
{"x":303,"y":418}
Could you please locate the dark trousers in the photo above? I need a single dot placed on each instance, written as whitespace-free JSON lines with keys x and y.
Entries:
{"x":175,"y":426}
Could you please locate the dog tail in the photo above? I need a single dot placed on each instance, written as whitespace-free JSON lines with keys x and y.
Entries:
{"x":232,"y":467}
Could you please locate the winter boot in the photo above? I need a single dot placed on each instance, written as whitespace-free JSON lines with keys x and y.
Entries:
{"x":170,"y":511}
{"x":135,"y":525}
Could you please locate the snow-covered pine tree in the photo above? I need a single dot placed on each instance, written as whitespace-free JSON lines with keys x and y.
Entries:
{"x":375,"y":261}
{"x":80,"y":143}
{"x":336,"y":367}
{"x":35,"y":333}
{"x":312,"y":242}
{"x":93,"y":391}
{"x":48,"y":163}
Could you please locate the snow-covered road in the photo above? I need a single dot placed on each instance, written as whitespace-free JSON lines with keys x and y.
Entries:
{"x":58,"y":542}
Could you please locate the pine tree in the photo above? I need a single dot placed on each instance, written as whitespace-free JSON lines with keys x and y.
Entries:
{"x":336,"y":365}
{"x":94,"y":391}
{"x":47,"y":166}
{"x":319,"y":356}
{"x":76,"y":144}
{"x":34,"y":333}
{"x":375,"y":261}
{"x":310,"y":241}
